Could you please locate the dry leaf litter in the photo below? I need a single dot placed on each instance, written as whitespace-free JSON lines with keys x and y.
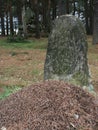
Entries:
{"x":50,"y":105}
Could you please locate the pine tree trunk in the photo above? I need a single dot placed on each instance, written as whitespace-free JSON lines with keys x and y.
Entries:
{"x":2,"y":24}
{"x":2,"y":18}
{"x":95,"y":30}
{"x":19,"y":14}
{"x":7,"y":28}
{"x":91,"y":17}
{"x":11,"y":21}
{"x":67,"y":6}
{"x":24,"y":21}
{"x":74,"y":7}
{"x":61,"y":7}
{"x":46,"y":15}
{"x":54,"y":10}
{"x":86,"y":16}
{"x":37,"y":35}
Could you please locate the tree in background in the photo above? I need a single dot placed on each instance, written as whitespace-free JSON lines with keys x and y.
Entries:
{"x":88,"y":14}
{"x":11,"y":17}
{"x":95,"y":31}
{"x":61,"y":7}
{"x":2,"y":17}
{"x":43,"y":13}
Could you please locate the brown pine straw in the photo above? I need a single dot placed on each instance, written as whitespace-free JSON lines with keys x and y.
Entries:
{"x":50,"y":105}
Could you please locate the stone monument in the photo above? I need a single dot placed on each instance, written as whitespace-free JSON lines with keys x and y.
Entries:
{"x":66,"y":57}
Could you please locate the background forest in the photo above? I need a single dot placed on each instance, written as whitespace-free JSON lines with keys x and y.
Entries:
{"x":35,"y":17}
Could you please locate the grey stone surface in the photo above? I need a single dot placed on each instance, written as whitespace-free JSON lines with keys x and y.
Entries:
{"x":66,"y":57}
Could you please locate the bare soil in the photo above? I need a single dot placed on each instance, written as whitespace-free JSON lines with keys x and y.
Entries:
{"x":21,"y":67}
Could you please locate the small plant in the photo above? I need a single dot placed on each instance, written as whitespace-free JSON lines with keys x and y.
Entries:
{"x":13,"y":38}
{"x":14,"y":53}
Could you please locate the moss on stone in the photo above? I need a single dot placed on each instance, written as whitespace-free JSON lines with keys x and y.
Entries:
{"x":81,"y":78}
{"x":67,"y":52}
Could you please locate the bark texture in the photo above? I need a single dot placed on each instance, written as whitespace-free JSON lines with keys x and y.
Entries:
{"x":95,"y":31}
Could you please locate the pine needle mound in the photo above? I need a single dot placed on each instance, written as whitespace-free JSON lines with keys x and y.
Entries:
{"x":50,"y":105}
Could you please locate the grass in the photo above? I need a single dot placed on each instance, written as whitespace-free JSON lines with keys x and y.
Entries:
{"x":22,"y":63}
{"x":7,"y":90}
{"x":27,"y":44}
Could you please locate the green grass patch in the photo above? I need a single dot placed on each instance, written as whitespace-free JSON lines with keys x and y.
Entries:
{"x":26,"y":44}
{"x":8,"y":90}
{"x":35,"y":72}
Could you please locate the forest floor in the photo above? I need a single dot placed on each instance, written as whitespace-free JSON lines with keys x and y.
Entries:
{"x":93,"y":62}
{"x":22,"y":64}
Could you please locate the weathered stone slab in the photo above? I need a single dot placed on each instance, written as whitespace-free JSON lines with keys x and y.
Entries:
{"x":66,"y":57}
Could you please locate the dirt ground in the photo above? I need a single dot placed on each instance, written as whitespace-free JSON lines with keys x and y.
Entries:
{"x":93,"y":62}
{"x":23,"y":67}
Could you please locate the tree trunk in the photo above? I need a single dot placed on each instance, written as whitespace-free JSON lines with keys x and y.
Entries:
{"x":19,"y":14}
{"x":11,"y":21}
{"x":74,"y":7}
{"x":91,"y":17}
{"x":46,"y":15}
{"x":86,"y":16}
{"x":2,"y":18}
{"x":79,"y":9}
{"x":61,"y":7}
{"x":24,"y":21}
{"x":95,"y":30}
{"x":7,"y":28}
{"x":54,"y":9}
{"x":37,"y":20}
{"x":2,"y":24}
{"x":67,"y":6}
